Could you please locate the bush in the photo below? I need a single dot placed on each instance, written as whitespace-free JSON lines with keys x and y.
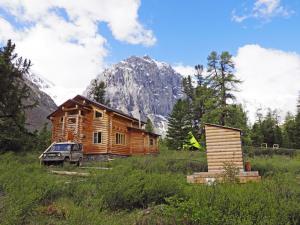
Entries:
{"x":275,"y":165}
{"x":167,"y":162}
{"x":131,"y":189}
{"x":269,"y":202}
{"x":147,"y":190}
{"x":25,"y":186}
{"x":256,"y":151}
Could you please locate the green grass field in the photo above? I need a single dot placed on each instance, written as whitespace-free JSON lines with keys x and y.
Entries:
{"x":147,"y":190}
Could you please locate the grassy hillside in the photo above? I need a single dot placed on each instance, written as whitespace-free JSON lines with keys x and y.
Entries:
{"x":147,"y":190}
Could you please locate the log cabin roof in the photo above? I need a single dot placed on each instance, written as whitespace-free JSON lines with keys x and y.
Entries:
{"x":77,"y":98}
{"x":107,"y":108}
{"x":67,"y":103}
{"x":225,"y":127}
{"x":142,"y":130}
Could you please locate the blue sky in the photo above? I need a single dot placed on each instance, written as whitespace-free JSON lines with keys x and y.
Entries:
{"x":71,"y":42}
{"x":187,"y":31}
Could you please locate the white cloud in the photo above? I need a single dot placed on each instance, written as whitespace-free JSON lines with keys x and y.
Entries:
{"x":70,"y":50}
{"x":263,"y":10}
{"x":184,"y":70}
{"x":271,"y":78}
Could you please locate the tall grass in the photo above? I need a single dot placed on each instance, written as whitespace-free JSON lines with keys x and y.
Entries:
{"x":147,"y":190}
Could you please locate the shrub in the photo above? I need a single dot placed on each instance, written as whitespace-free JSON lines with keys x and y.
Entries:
{"x":269,"y":202}
{"x":131,"y":189}
{"x":256,"y":151}
{"x":230,"y":174}
{"x":167,"y":162}
{"x":275,"y":165}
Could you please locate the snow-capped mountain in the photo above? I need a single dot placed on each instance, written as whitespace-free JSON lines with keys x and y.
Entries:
{"x":36,"y":117}
{"x":142,"y":84}
{"x":43,"y":84}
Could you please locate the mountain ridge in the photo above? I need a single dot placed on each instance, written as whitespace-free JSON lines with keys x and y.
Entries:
{"x":36,"y":117}
{"x":142,"y":86}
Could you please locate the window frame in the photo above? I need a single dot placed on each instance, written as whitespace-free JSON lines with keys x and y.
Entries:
{"x":72,"y":120}
{"x":101,"y":137}
{"x":120,"y":138}
{"x":99,"y":117}
{"x":151,"y":141}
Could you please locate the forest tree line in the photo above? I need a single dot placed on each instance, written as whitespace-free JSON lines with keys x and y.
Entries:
{"x":211,"y":98}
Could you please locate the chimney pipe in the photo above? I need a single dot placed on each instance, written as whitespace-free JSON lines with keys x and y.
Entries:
{"x":139,"y":119}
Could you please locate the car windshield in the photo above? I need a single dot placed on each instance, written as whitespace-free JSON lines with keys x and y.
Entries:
{"x":61,"y":147}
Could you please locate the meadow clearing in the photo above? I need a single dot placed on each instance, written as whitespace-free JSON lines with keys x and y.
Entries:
{"x":148,"y":190}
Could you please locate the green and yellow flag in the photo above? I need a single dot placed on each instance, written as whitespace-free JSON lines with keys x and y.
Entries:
{"x":192,"y":142}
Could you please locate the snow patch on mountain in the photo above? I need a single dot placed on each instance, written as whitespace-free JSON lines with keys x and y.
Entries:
{"x":143,"y":87}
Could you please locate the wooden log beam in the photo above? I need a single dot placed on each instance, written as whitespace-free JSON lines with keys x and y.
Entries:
{"x":69,"y":173}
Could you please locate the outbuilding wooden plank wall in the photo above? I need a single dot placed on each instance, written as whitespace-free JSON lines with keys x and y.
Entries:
{"x":223,"y":145}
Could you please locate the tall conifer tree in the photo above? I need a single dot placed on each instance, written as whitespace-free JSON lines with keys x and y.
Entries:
{"x":13,"y":97}
{"x":98,"y":92}
{"x":222,"y":79}
{"x":149,"y":126}
{"x":179,"y":124}
{"x":297,"y":125}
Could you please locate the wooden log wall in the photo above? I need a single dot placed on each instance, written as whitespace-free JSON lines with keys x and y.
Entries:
{"x":137,"y":142}
{"x":119,"y":125}
{"x":223,"y":146}
{"x":153,"y":148}
{"x":91,"y":125}
{"x":58,"y":128}
{"x":79,"y":124}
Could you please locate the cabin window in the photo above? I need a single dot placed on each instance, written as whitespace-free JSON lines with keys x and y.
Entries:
{"x":98,"y":114}
{"x":97,"y":137}
{"x":120,"y":139}
{"x":61,"y":119}
{"x":151,"y":141}
{"x":72,"y":120}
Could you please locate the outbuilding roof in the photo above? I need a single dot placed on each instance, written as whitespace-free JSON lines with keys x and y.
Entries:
{"x":225,"y":127}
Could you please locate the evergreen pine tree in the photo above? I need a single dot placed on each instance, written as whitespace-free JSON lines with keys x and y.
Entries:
{"x":179,"y":124}
{"x":13,"y":97}
{"x":288,"y":131}
{"x":149,"y":126}
{"x":199,"y":75}
{"x":266,"y":129}
{"x":97,"y":92}
{"x":205,"y":108}
{"x":222,"y":80}
{"x":188,"y":88}
{"x":297,"y":125}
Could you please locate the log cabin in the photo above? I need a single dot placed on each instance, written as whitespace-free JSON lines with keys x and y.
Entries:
{"x":101,"y":129}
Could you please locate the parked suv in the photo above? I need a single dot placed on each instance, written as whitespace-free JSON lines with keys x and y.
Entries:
{"x":64,"y":152}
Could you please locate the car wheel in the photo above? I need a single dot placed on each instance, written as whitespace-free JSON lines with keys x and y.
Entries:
{"x":67,"y":160}
{"x":79,"y":163}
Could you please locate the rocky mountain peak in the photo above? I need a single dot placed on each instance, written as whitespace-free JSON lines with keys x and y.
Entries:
{"x":36,"y":117}
{"x":142,"y":84}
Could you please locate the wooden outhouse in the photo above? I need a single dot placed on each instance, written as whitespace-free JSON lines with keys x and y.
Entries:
{"x":101,"y":129}
{"x":223,"y":144}
{"x":223,"y":148}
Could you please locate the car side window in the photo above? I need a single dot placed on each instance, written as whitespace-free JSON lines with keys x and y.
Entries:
{"x":75,"y":148}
